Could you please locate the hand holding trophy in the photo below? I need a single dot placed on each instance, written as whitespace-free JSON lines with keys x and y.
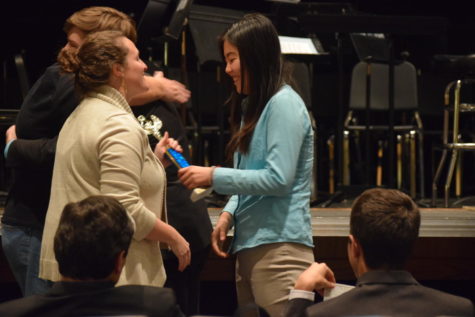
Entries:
{"x":152,"y":127}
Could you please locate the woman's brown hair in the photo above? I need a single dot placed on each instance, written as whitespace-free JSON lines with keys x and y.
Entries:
{"x":94,"y":19}
{"x":95,"y":58}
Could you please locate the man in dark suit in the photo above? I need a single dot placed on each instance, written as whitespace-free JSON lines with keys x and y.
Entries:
{"x":91,"y":245}
{"x":384,"y":223}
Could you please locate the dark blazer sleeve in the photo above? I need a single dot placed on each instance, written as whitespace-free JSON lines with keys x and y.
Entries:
{"x":297,"y":307}
{"x":36,"y":154}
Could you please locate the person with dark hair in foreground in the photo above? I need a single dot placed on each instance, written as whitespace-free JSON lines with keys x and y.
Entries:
{"x":91,"y":246}
{"x":384,"y":224}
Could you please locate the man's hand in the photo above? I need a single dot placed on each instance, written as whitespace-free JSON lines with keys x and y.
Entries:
{"x":170,"y":90}
{"x":161,"y":88}
{"x":317,"y":277}
{"x":10,"y":134}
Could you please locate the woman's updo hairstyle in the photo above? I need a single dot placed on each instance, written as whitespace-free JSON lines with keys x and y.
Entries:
{"x":94,"y":60}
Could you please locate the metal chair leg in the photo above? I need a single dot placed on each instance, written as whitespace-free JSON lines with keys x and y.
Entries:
{"x":437,"y":176}
{"x":458,"y":174}
{"x":450,"y":175}
{"x":412,"y":164}
{"x":331,"y":170}
{"x":421,"y":164}
{"x":379,"y":166}
{"x":346,"y":158}
{"x":420,"y":136}
{"x":399,"y":161}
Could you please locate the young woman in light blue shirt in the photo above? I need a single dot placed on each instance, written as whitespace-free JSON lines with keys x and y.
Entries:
{"x":272,"y":142}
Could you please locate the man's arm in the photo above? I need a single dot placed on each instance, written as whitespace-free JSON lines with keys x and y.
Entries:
{"x":37,"y":153}
{"x":317,"y":277}
{"x":161,"y":88}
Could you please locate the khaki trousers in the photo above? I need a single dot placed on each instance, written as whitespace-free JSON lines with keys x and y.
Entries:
{"x":265,"y":274}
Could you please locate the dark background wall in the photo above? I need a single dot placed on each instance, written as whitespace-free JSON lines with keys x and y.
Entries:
{"x":35,"y":27}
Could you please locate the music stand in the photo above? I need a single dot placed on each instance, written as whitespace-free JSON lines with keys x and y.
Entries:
{"x":305,"y":50}
{"x":162,"y":18}
{"x":206,"y":25}
{"x":163,"y":21}
{"x":390,"y":25}
{"x":371,"y":46}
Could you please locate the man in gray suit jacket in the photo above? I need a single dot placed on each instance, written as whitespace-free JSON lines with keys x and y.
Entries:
{"x":90,"y":246}
{"x":384,"y":224}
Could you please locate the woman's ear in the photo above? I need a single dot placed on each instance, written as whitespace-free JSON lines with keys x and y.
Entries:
{"x":117,"y":70}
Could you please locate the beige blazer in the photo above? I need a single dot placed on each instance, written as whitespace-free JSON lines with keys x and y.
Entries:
{"x":102,"y":149}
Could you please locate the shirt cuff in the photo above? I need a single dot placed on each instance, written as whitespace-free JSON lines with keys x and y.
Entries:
{"x":7,"y":147}
{"x":297,"y":293}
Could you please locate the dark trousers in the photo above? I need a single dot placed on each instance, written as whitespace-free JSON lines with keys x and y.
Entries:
{"x":186,"y":284}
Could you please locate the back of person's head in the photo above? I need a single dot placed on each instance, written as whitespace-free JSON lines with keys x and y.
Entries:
{"x":95,"y":19}
{"x":386,"y":224}
{"x":90,"y":236}
{"x":95,"y":58}
{"x":261,"y":64}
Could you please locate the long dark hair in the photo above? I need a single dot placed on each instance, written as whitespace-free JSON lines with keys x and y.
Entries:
{"x":261,"y":62}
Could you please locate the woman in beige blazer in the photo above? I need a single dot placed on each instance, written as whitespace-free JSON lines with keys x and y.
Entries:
{"x":102,"y":149}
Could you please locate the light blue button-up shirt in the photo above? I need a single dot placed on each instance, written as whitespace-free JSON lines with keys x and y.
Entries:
{"x":271,"y":183}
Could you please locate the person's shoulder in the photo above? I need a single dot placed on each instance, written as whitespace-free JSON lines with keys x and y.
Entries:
{"x":287,"y":95}
{"x":448,"y":299}
{"x":156,"y":301}
{"x":165,"y":295}
{"x":20,"y":306}
{"x":286,"y":91}
{"x":56,"y":71}
{"x":145,"y":289}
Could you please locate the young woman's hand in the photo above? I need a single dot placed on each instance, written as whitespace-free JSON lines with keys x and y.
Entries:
{"x":218,"y":237}
{"x":196,"y":176}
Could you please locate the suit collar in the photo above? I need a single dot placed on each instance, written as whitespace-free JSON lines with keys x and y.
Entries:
{"x":62,"y":288}
{"x":386,"y":277}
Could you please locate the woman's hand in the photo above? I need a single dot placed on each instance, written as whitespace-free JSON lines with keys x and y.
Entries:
{"x":162,"y":146}
{"x":218,"y":237}
{"x":196,"y":176}
{"x":165,"y":233}
{"x":181,"y":248}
